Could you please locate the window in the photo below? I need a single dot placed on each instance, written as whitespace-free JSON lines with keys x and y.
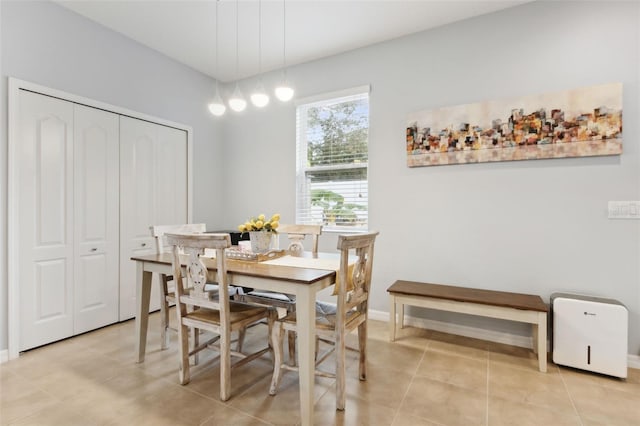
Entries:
{"x":332,"y":158}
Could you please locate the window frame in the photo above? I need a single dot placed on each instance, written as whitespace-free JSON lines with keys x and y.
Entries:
{"x":302,"y":190}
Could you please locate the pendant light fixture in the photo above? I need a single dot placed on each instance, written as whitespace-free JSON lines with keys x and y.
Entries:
{"x":237,"y":101}
{"x":284,"y":92}
{"x":216,"y":107}
{"x":259,"y":97}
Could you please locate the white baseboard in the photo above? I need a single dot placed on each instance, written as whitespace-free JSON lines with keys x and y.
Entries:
{"x":4,"y":355}
{"x":633,"y":361}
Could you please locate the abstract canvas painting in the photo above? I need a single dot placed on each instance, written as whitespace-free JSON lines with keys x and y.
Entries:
{"x":571,"y":123}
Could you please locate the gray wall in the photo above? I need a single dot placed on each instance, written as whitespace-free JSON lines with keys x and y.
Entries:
{"x":49,"y":45}
{"x":530,"y":226}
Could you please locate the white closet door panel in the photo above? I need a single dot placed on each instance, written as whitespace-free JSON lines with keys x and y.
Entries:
{"x":171,"y":160}
{"x":91,"y":297}
{"x":171,"y":182}
{"x":138,"y":144}
{"x":51,"y":170}
{"x":96,"y":203}
{"x":50,"y":290}
{"x":128,"y":284}
{"x":45,"y":164}
{"x":142,"y":183}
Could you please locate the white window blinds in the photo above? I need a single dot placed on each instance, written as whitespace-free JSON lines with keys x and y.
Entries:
{"x":332,"y":159}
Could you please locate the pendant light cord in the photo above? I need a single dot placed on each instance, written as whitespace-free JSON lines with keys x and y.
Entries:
{"x":217,"y":75}
{"x":259,"y":36}
{"x":284,"y":35}
{"x":237,"y":20}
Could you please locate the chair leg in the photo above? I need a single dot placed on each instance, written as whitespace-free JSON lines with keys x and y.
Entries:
{"x":241,"y":334}
{"x":277,"y":340}
{"x":271,"y":321}
{"x":183,"y":341}
{"x":340,"y":371}
{"x":164,"y":313}
{"x":194,"y":338}
{"x":225,"y":364}
{"x":291,"y":338}
{"x":362,"y":344}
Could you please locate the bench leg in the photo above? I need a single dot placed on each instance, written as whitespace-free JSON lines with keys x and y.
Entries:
{"x":541,"y":333}
{"x":401,"y":313}
{"x":392,"y":319}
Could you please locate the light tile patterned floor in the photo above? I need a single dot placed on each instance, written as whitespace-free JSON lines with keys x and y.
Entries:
{"x":425,"y":378}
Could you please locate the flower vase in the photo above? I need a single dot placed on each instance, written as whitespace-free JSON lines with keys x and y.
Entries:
{"x":260,"y":241}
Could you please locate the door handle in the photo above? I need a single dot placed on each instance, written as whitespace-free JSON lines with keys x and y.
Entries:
{"x":94,"y":249}
{"x":144,"y":244}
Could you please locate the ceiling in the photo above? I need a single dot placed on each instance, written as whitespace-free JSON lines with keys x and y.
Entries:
{"x":185,"y":30}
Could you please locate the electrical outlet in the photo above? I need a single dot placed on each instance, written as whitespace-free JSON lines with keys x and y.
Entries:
{"x":624,"y":209}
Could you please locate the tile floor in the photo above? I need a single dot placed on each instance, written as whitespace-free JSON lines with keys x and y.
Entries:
{"x":425,"y":378}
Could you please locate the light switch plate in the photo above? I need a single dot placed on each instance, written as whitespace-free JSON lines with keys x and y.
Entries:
{"x":624,"y":209}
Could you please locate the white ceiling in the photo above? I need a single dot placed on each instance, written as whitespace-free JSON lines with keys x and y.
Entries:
{"x":185,"y":29}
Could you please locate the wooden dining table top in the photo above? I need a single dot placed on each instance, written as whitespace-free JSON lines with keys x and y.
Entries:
{"x":252,"y":268}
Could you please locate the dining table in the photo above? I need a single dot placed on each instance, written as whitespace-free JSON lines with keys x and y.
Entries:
{"x":303,"y":278}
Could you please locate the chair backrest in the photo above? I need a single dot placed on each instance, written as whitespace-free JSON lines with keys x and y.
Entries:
{"x":158,"y":233}
{"x":355,"y":283}
{"x":194,"y":277}
{"x":297,"y":233}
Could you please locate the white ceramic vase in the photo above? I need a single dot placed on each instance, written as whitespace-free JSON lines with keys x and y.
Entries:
{"x":260,"y":241}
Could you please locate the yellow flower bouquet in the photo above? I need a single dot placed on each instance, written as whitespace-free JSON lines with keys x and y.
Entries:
{"x":261,"y":224}
{"x":261,"y":232}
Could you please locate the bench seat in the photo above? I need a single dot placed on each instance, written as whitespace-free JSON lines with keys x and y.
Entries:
{"x":520,"y":307}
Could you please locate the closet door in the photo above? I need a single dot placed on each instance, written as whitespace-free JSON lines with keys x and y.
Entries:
{"x":153,"y":191}
{"x":171,"y":171}
{"x":45,"y":180}
{"x":96,"y":206}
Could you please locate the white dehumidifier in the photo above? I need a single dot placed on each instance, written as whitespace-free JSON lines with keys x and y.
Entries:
{"x":590,"y":333}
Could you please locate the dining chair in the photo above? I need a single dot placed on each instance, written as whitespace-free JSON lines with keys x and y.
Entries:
{"x":296,"y":234}
{"x":335,"y":321}
{"x":167,"y":298}
{"x":214,"y":311}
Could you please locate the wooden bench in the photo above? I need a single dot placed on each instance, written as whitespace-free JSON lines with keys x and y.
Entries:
{"x":488,"y":303}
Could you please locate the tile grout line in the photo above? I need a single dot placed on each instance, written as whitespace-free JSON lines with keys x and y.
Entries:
{"x":160,"y":374}
{"x":566,"y":389}
{"x":488,"y":374}
{"x":413,"y":375}
{"x":262,"y":421}
{"x":56,"y":400}
{"x":208,"y":397}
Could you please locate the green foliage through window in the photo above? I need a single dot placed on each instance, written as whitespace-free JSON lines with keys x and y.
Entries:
{"x":337,"y":134}
{"x":332,"y":143}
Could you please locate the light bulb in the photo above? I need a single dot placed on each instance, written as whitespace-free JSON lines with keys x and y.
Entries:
{"x":217,"y":108}
{"x":237,"y":102}
{"x":284,"y":92}
{"x":259,"y":96}
{"x":260,"y":99}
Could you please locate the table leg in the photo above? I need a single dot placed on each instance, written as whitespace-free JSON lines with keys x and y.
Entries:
{"x":305,"y":314}
{"x":143,"y":294}
{"x":542,"y":341}
{"x":392,"y":319}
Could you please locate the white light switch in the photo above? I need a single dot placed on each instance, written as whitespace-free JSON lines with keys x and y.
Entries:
{"x":624,"y":209}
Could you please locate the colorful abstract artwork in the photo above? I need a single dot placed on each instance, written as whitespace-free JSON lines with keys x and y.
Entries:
{"x":572,"y":123}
